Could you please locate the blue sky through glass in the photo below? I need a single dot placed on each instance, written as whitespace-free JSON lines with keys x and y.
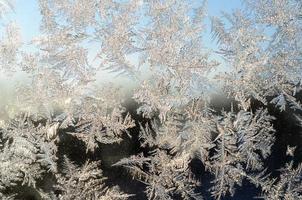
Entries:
{"x":28,"y":16}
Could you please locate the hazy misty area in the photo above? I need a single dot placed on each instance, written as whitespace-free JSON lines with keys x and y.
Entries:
{"x":27,"y":16}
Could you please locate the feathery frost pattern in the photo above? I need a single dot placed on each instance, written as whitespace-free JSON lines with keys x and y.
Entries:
{"x":68,"y":137}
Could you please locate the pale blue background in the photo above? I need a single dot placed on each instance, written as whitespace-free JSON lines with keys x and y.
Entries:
{"x":28,"y":16}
